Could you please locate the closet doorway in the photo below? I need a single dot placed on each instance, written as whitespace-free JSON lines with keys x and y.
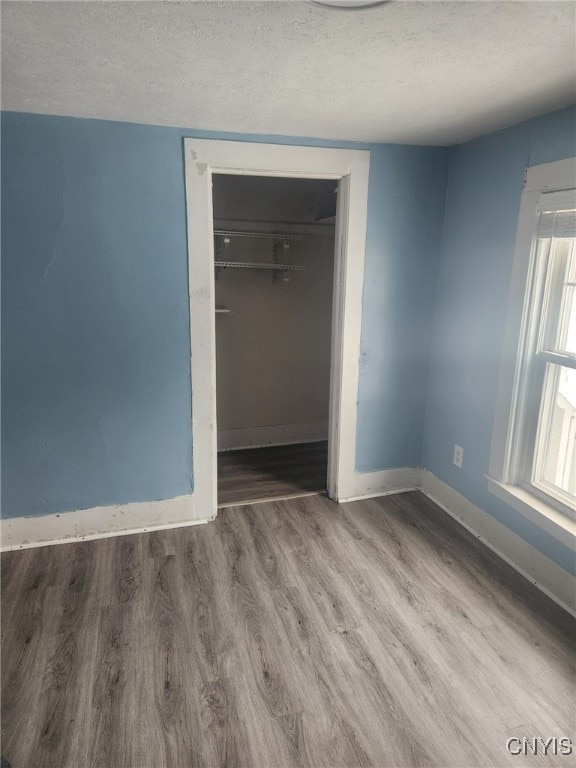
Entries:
{"x":205,"y":159}
{"x":274,"y":275}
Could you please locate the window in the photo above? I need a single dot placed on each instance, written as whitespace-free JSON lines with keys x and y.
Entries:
{"x":533,"y":462}
{"x":547,"y":455}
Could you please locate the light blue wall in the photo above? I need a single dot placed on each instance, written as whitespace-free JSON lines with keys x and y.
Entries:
{"x":96,"y":393}
{"x":482,"y":206}
{"x":95,"y":377}
{"x":407,"y":191}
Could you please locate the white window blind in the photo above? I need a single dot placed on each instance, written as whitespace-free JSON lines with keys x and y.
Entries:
{"x":557,"y":224}
{"x":557,"y":215}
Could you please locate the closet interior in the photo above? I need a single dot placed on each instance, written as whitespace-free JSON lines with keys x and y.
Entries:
{"x":274,"y":275}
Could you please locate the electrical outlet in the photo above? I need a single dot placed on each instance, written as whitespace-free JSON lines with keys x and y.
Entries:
{"x":458,"y":456}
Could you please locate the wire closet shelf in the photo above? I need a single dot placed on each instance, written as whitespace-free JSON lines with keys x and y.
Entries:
{"x":278,"y":238}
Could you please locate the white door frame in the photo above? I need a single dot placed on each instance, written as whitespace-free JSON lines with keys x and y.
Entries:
{"x":350,"y":167}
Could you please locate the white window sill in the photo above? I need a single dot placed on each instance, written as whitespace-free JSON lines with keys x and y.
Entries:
{"x":548,"y":518}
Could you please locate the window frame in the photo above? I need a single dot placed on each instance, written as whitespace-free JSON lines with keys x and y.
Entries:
{"x":544,"y":305}
{"x":518,"y":400}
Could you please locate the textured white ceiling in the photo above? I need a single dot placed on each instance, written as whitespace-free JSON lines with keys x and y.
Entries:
{"x":408,"y":72}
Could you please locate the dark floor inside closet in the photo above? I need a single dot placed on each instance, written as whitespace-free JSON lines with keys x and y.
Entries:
{"x":273,"y":472}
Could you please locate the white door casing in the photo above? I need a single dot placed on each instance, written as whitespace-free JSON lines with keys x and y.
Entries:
{"x":203,"y":158}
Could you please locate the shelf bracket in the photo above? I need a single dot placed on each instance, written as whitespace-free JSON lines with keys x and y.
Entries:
{"x":275,"y":260}
{"x":220,"y":239}
{"x":285,"y":248}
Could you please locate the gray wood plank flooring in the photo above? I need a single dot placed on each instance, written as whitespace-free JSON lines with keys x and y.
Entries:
{"x":289,"y":633}
{"x":274,"y":472}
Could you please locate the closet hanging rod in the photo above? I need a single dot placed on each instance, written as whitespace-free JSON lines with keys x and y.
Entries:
{"x":260,"y":265}
{"x":266,"y":235}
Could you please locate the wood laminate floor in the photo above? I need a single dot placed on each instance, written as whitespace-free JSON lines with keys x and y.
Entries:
{"x":274,"y":472}
{"x":291,"y":633}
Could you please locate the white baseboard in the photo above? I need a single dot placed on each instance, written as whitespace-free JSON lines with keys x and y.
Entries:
{"x":367,"y":485}
{"x":549,"y":577}
{"x":97,"y":523}
{"x":276,"y":434}
{"x":101,"y":522}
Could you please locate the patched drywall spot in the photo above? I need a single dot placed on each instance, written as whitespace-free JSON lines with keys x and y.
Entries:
{"x":201,"y":168}
{"x":200,"y":293}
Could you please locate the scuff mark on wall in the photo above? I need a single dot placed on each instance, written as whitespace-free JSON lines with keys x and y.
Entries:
{"x":58,"y":233}
{"x":52,"y":260}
